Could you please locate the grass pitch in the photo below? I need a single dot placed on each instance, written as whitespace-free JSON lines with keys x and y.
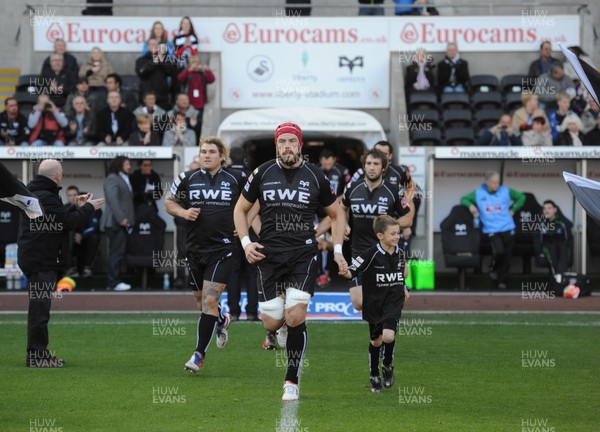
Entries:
{"x":454,"y":372}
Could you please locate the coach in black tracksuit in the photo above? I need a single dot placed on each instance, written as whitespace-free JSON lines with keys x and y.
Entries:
{"x":43,"y":249}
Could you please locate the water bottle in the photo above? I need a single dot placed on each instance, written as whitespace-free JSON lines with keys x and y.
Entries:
{"x":476,"y":222}
{"x":166,"y":282}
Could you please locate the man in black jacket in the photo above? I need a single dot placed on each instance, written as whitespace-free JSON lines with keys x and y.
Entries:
{"x":60,"y":47}
{"x":114,"y":123}
{"x":453,"y":72}
{"x":13,"y":125}
{"x":59,"y":81}
{"x":154,"y":69}
{"x":43,"y":246}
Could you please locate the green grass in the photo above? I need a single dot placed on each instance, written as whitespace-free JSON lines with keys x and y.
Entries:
{"x":466,"y":368}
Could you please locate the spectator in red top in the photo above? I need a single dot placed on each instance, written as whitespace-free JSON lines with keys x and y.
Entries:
{"x":46,"y":122}
{"x":194,"y":80}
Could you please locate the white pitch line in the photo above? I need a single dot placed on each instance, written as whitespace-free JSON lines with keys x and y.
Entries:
{"x":424,"y":323}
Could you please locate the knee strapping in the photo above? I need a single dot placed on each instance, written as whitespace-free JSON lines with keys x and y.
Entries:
{"x":294,"y":296}
{"x":272,"y":308}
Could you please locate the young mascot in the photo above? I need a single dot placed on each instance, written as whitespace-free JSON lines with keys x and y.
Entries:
{"x":383,"y":269}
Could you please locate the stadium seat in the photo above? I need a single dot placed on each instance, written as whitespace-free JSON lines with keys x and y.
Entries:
{"x":425,"y":117}
{"x":487,"y":100}
{"x":131,"y":83}
{"x":431,"y":137}
{"x":460,"y":137}
{"x":146,"y":239}
{"x":26,"y":81}
{"x":422,"y":100}
{"x":460,"y":242}
{"x":484,"y":83}
{"x":513,"y":101}
{"x":455,"y":101}
{"x":487,"y":118}
{"x":513,"y":83}
{"x":25,"y":97}
{"x":523,"y":244}
{"x":461,"y":118}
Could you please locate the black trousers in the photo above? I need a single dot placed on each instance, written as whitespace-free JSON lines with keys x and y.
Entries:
{"x":243,"y":271}
{"x":85,"y":252}
{"x":557,"y":254}
{"x":41,"y":287}
{"x":502,"y":245}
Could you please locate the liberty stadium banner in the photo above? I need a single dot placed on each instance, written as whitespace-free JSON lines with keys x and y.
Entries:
{"x":299,"y":61}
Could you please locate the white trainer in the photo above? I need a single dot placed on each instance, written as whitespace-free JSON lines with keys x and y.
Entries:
{"x":122,"y":286}
{"x":291,"y":392}
{"x":222,"y":333}
{"x":282,"y":336}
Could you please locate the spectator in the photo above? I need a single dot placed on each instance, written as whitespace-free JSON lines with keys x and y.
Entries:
{"x":114,"y":122}
{"x":155,"y":69}
{"x":374,"y":10}
{"x":60,"y":47}
{"x":46,"y":122}
{"x":145,"y":134}
{"x":149,"y":107}
{"x":160,"y":120}
{"x":85,"y":240}
{"x":495,"y":205}
{"x":115,"y":83}
{"x":182,"y":105}
{"x":523,"y":117}
{"x":453,"y":72}
{"x":195,"y":79}
{"x":590,"y":114}
{"x":118,"y":218}
{"x":80,"y":131}
{"x":571,"y":132}
{"x":501,"y":134}
{"x":96,"y":69}
{"x":553,"y":241}
{"x":186,"y":41}
{"x":58,"y":82}
{"x":159,"y":33}
{"x":557,"y":116}
{"x":536,"y":136}
{"x":419,"y":75}
{"x":549,"y":84}
{"x":178,"y":134}
{"x":13,"y":125}
{"x":404,"y":10}
{"x":81,"y":89}
{"x":146,"y":185}
{"x":544,"y":63}
{"x":592,"y":137}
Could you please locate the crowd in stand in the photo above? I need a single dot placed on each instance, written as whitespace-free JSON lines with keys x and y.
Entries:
{"x":555,"y":106}
{"x":87,"y":105}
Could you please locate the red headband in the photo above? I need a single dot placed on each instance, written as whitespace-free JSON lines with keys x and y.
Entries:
{"x":291,"y":128}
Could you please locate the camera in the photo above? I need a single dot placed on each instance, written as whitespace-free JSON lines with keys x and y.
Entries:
{"x":47,"y":106}
{"x":503,"y":127}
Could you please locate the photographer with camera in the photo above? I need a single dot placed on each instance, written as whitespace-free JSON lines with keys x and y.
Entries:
{"x":46,"y":123}
{"x":501,"y":134}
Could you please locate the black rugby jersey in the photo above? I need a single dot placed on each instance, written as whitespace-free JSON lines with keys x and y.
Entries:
{"x":365,"y":205}
{"x":398,"y":175}
{"x":382,"y":279}
{"x":216,"y":197}
{"x":288,"y":202}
